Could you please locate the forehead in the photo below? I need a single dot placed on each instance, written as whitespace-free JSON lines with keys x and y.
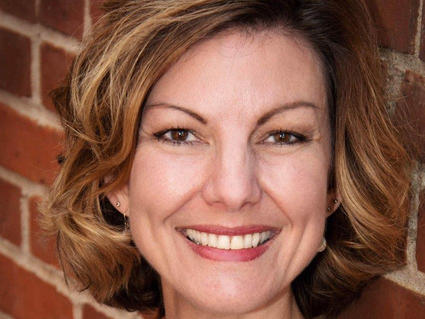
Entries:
{"x":248,"y":71}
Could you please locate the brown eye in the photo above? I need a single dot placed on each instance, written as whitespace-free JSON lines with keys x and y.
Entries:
{"x":179,"y":134}
{"x":284,"y":138}
{"x":176,"y":136}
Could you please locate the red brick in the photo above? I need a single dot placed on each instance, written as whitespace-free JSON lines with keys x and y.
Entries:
{"x":420,"y":240}
{"x":23,"y":295}
{"x":410,"y":113}
{"x":90,"y":313}
{"x":10,"y":216}
{"x":24,"y":9}
{"x":66,"y":16}
{"x":55,"y":64}
{"x":28,"y":148}
{"x":396,"y":21}
{"x":384,"y":299}
{"x":42,"y":246}
{"x":15,"y":63}
{"x":422,"y":52}
{"x":95,"y":9}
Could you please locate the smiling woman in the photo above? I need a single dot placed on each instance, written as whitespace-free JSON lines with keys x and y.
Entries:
{"x":229,"y":159}
{"x":235,"y":168}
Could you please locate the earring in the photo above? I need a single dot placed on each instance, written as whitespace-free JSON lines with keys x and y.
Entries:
{"x":117,"y":203}
{"x":335,"y":201}
{"x":323,"y":245}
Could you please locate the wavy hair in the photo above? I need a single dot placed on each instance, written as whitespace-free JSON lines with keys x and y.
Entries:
{"x":100,"y":106}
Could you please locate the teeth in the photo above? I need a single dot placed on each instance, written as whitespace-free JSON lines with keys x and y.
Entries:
{"x":204,"y":239}
{"x":264,"y":235}
{"x":190,"y":233}
{"x":237,"y":242}
{"x":228,"y":242}
{"x":212,"y":240}
{"x":255,"y":239}
{"x":197,"y":237}
{"x":247,"y":242}
{"x":223,"y":242}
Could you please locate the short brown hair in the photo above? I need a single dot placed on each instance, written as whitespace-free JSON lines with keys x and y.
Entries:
{"x":131,"y":46}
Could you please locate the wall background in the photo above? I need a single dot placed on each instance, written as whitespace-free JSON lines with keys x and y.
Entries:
{"x":38,"y":39}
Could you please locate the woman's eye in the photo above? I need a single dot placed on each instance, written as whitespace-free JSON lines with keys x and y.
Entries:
{"x":284,"y":138}
{"x":176,"y":136}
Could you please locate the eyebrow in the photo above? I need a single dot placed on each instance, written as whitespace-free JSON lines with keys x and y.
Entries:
{"x":285,"y":107}
{"x":180,"y":108}
{"x":261,"y":121}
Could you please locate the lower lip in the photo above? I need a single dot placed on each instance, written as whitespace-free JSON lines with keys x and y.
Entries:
{"x":216,"y":254}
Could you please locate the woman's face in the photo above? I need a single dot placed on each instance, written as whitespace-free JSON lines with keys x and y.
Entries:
{"x":234,"y":141}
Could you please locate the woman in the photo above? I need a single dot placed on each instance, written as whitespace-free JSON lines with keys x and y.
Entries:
{"x":229,"y":159}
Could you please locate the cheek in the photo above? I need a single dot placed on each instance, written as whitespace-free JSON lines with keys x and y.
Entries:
{"x":297,"y":184}
{"x":160,"y":182}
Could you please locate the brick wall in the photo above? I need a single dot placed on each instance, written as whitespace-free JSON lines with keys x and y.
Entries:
{"x":38,"y":39}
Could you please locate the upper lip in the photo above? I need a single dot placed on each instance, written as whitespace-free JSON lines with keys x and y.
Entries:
{"x":230,"y":231}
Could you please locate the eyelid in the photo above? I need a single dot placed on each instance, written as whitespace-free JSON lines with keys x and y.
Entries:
{"x":301,"y":138}
{"x":160,"y":135}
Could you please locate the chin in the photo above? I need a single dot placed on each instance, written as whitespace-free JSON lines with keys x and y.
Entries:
{"x":233,"y":305}
{"x":232,"y":298}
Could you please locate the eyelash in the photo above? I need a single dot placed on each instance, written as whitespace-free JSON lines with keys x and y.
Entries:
{"x":300,"y":138}
{"x":160,"y":137}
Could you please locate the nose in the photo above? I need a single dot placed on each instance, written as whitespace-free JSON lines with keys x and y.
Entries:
{"x":232,"y":182}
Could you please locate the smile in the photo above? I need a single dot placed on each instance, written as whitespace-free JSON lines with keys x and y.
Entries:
{"x":236,"y":244}
{"x":228,"y":242}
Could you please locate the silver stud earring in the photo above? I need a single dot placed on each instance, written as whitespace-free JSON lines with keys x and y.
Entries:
{"x":335,"y":201}
{"x":118,"y":204}
{"x":323,"y":245}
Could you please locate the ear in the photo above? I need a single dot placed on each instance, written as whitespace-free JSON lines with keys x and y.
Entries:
{"x":120,"y":200}
{"x":334,"y":201}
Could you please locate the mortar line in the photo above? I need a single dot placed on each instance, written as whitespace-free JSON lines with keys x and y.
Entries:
{"x":413,"y":217}
{"x":26,"y":107}
{"x":59,"y":40}
{"x":77,"y":310}
{"x":28,"y":188}
{"x":54,"y":277}
{"x":17,"y":25}
{"x":25,"y":224}
{"x":35,"y":70}
{"x":30,"y":30}
{"x":423,"y":177}
{"x":408,"y":279}
{"x":43,"y":271}
{"x":37,"y":8}
{"x":87,"y":19}
{"x":409,"y":276}
{"x":5,"y":315}
{"x":403,"y":61}
{"x":418,"y":35}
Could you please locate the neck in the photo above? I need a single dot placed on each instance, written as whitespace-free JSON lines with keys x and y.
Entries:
{"x":177,"y":307}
